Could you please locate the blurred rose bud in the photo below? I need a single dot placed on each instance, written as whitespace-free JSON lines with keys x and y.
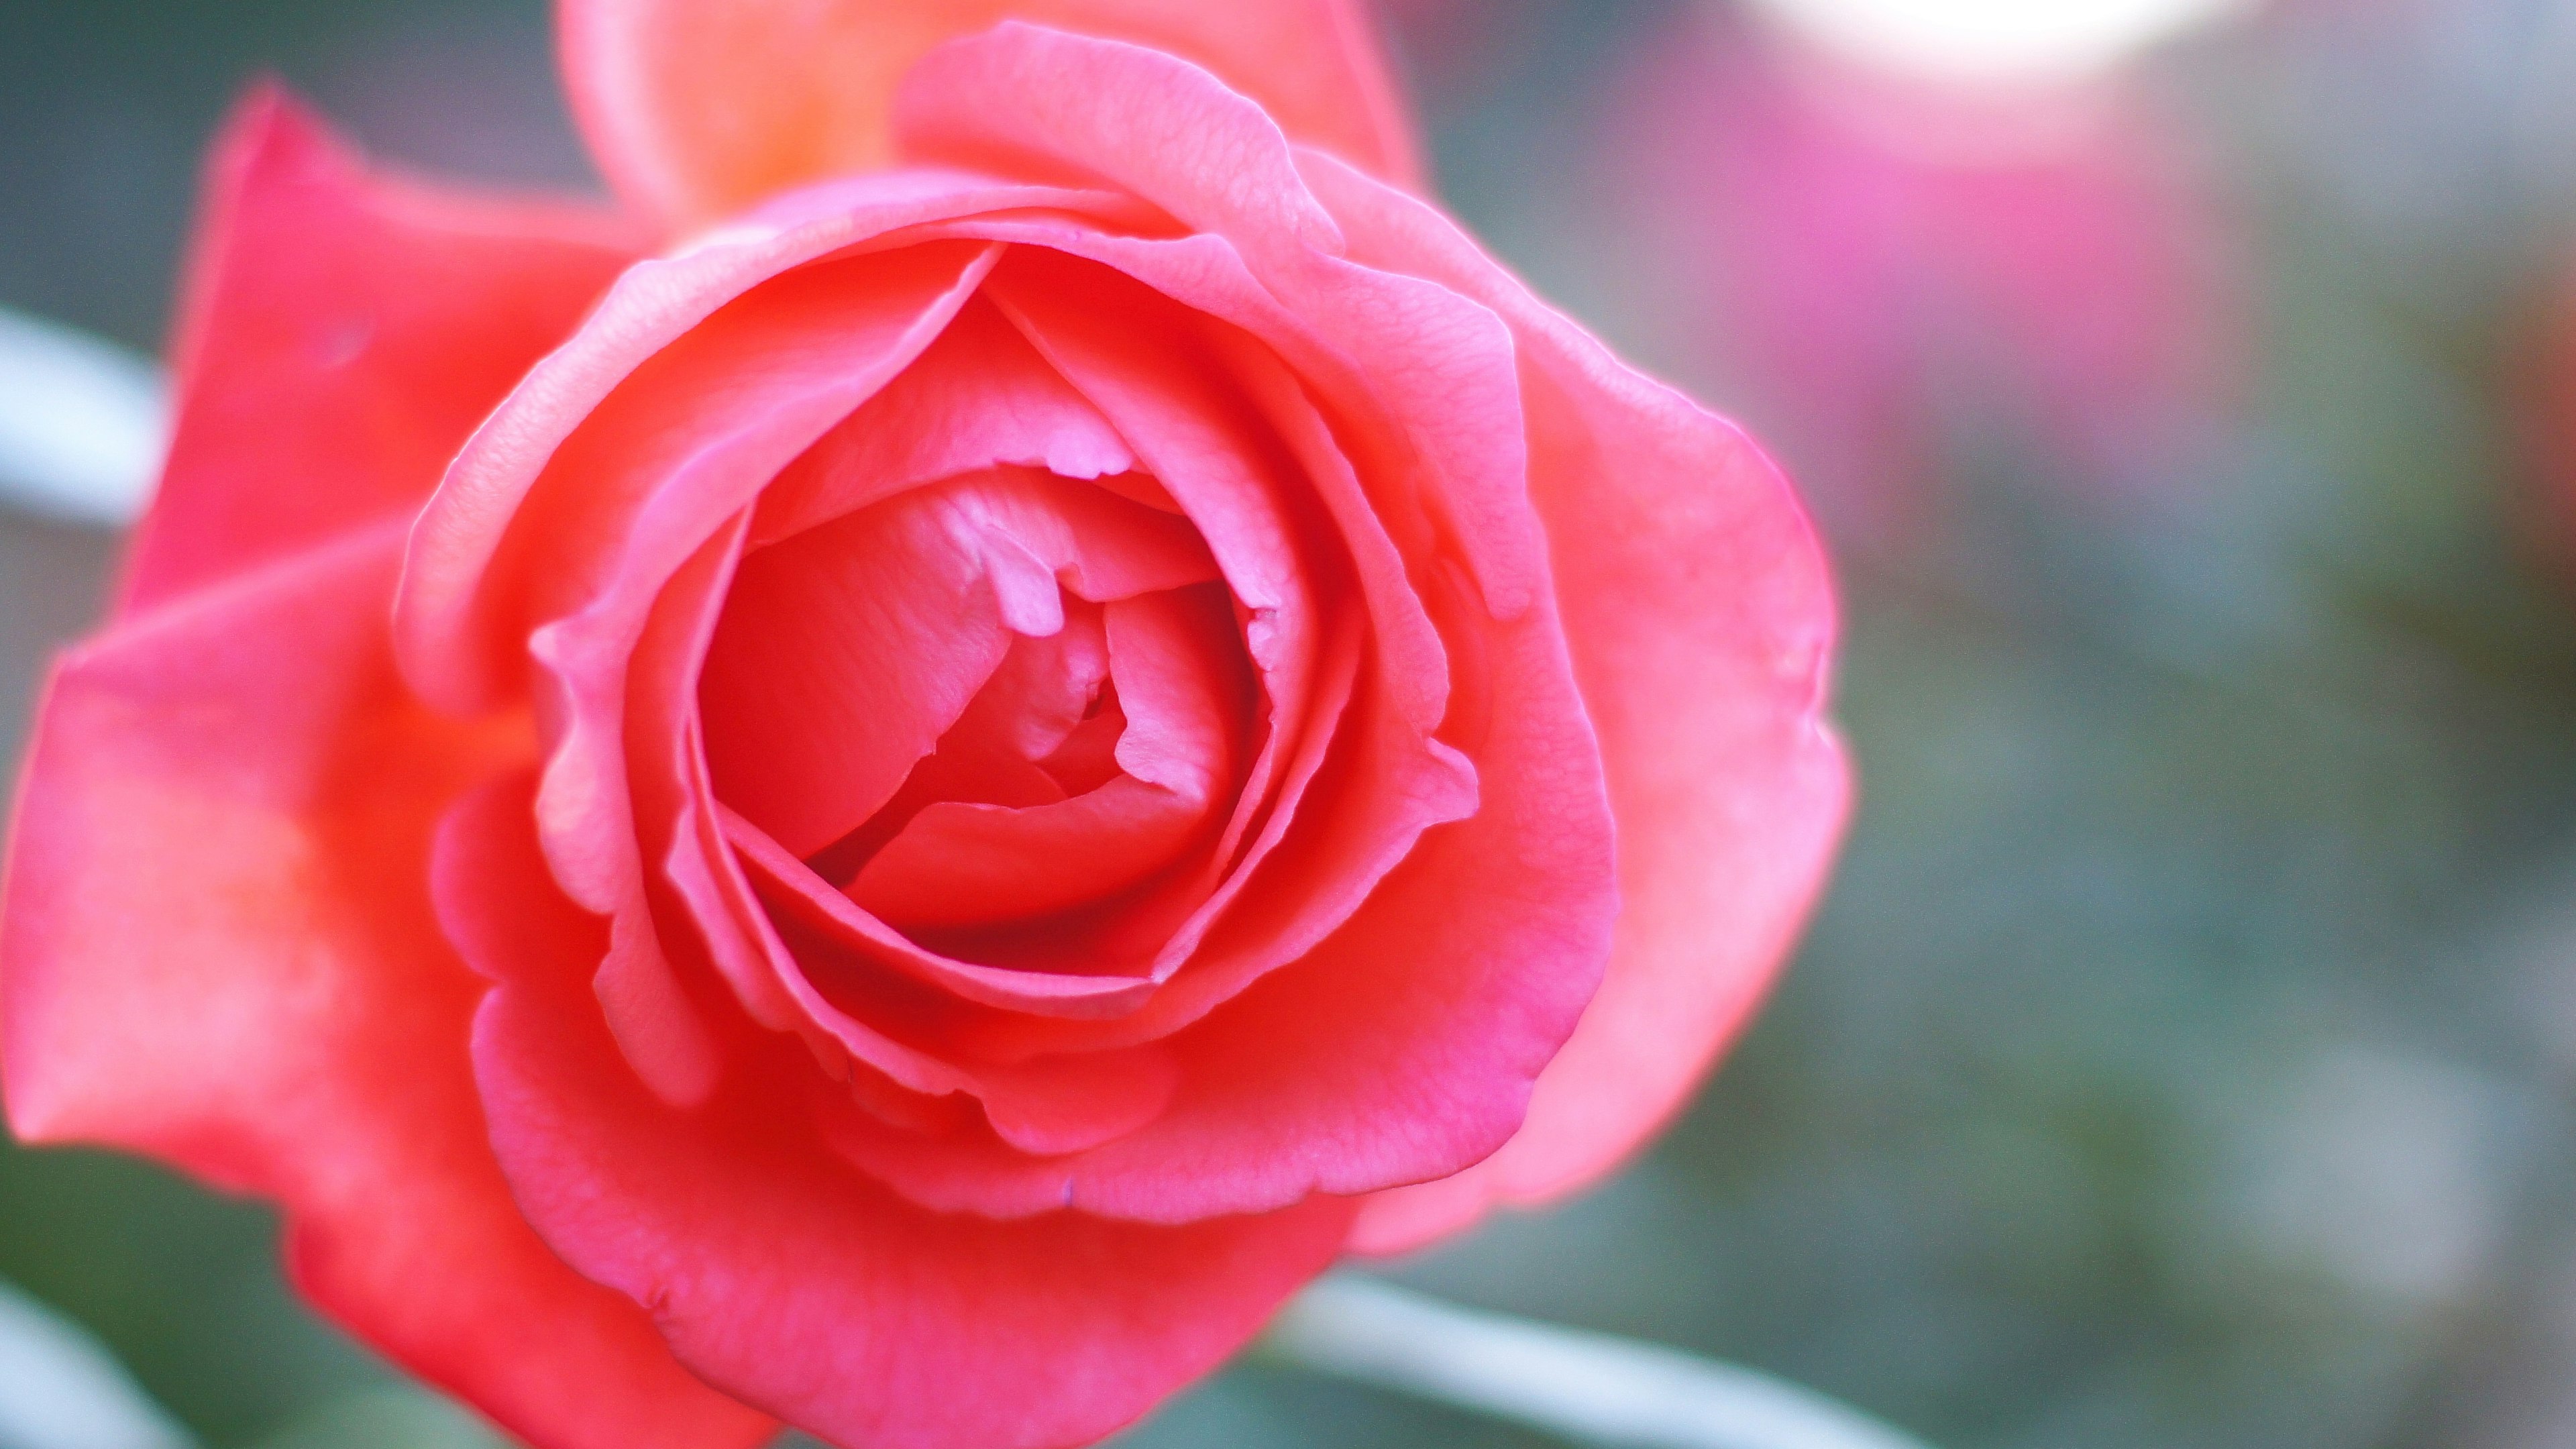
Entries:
{"x":1942,"y":240}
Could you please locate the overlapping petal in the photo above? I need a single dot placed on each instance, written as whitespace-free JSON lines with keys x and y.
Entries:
{"x":699,"y":109}
{"x":216,"y":946}
{"x":215,"y":943}
{"x":1702,"y":624}
{"x":879,"y":1323}
{"x":341,"y":332}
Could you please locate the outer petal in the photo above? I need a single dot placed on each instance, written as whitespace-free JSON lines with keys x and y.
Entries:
{"x":462,"y":622}
{"x":216,"y":946}
{"x":793,"y":1281}
{"x":342,"y":334}
{"x":1702,"y":622}
{"x":1263,"y":253}
{"x":696,"y":108}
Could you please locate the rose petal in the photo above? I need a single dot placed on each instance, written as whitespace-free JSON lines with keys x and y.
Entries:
{"x":654,"y":472}
{"x":1024,"y":100}
{"x":341,"y":333}
{"x":696,"y":108}
{"x":1702,"y":622}
{"x":831,"y":920}
{"x":848,"y":652}
{"x":1421,"y":376}
{"x":1400,"y":1049}
{"x":1187,"y":705}
{"x":979,"y":398}
{"x":1185,"y":688}
{"x":1276,"y":1100}
{"x":844,"y":654}
{"x":1034,"y":703}
{"x":649,"y":478}
{"x":960,"y":865}
{"x":1102,"y":546}
{"x":465,"y":609}
{"x":798,"y":1286}
{"x":671,"y":1038}
{"x":1150,"y":369}
{"x":217,"y":948}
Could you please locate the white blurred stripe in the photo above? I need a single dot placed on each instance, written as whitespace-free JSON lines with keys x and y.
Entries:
{"x":60,"y":1390}
{"x":1589,"y":1387}
{"x":81,"y":424}
{"x":1999,"y":42}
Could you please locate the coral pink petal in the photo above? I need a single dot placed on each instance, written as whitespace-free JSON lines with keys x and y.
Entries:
{"x":489,"y":551}
{"x":1400,"y":1049}
{"x":797,"y":1285}
{"x":697,"y":108}
{"x":1422,"y":376}
{"x":780,"y":905}
{"x":691,"y":439}
{"x":671,"y":1039}
{"x":1103,"y":546}
{"x":1343,"y":1073}
{"x":1136,"y":364}
{"x":849,"y":650}
{"x":1088,"y":756}
{"x":662,"y":466}
{"x":1033,"y":704}
{"x":844,"y":654}
{"x":961,"y":864}
{"x":1185,"y":688}
{"x":1128,"y":350}
{"x":341,"y":334}
{"x":638,"y":495}
{"x":1701,"y":621}
{"x":1187,"y":703}
{"x":1023,"y":100}
{"x":1044,"y":1106}
{"x":978,"y":398}
{"x":832,"y":920}
{"x":1048,"y":1109}
{"x":217,"y":947}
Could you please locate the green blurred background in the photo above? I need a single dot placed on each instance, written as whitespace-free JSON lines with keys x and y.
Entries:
{"x":2184,"y":1055}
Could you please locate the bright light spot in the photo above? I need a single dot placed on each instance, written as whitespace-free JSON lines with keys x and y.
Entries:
{"x":60,"y":1390}
{"x":81,"y":425}
{"x":1990,"y":41}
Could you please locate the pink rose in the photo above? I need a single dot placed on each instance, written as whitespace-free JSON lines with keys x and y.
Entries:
{"x":903,"y":815}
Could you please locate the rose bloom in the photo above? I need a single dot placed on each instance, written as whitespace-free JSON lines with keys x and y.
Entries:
{"x":897,"y":788}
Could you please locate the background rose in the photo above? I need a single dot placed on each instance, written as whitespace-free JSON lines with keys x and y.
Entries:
{"x":1382,"y":546}
{"x":1901,"y":269}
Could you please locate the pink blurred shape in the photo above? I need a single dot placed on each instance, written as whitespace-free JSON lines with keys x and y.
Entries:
{"x":1888,"y":270}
